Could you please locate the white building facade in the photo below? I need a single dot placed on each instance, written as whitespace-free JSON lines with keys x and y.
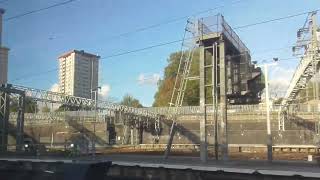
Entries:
{"x":78,"y":73}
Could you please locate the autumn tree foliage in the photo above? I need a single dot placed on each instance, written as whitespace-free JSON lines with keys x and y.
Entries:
{"x":166,"y":85}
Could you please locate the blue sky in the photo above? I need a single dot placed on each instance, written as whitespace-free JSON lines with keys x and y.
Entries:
{"x":38,"y":39}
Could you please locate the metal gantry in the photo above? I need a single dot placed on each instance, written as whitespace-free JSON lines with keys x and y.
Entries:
{"x":6,"y":91}
{"x":54,"y":97}
{"x":308,"y":42}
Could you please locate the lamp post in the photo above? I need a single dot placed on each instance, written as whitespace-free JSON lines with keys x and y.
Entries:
{"x":266,"y":81}
{"x":95,"y":91}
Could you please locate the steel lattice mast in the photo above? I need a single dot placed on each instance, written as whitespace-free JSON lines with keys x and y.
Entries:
{"x":308,"y":42}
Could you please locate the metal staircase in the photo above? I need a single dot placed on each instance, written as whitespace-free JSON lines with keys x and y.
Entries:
{"x":188,"y":47}
{"x":309,"y":65}
{"x":187,"y":50}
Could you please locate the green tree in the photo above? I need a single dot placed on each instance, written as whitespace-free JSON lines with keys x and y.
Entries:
{"x":65,"y":107}
{"x":165,"y":86}
{"x":130,"y":101}
{"x":30,"y":105}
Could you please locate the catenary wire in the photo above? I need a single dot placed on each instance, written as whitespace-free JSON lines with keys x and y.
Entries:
{"x":180,"y":40}
{"x":38,"y":10}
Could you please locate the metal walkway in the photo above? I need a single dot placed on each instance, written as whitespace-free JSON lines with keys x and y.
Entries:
{"x":308,"y":41}
{"x":54,"y":97}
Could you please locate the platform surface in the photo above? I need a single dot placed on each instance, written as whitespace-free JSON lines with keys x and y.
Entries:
{"x":282,"y":168}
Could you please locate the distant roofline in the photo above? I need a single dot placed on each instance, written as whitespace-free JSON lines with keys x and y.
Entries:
{"x":82,"y":52}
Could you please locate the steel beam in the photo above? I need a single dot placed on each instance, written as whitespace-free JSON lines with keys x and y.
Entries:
{"x":215,"y":98}
{"x":5,"y":91}
{"x":4,"y":119}
{"x":54,"y":97}
{"x":171,"y":136}
{"x":20,"y":122}
{"x":223,"y":101}
{"x":203,"y":120}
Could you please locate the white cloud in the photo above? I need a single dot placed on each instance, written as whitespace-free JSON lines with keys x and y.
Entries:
{"x":54,"y":87}
{"x":104,"y":92}
{"x":147,"y":79}
{"x":279,"y":80}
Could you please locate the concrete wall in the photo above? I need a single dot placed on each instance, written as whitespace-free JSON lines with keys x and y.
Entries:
{"x":246,"y":129}
{"x":243,"y":128}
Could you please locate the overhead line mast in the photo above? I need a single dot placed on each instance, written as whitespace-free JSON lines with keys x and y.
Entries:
{"x":308,"y":67}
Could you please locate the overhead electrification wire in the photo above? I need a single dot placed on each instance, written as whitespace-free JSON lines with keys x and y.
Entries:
{"x":276,"y":19}
{"x":33,"y":74}
{"x":142,"y":49}
{"x":27,"y":76}
{"x":171,"y":21}
{"x":39,"y":10}
{"x":180,"y":40}
{"x":176,"y":41}
{"x":120,"y":35}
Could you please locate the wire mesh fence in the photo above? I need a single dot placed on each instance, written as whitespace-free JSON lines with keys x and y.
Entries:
{"x":217,"y":24}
